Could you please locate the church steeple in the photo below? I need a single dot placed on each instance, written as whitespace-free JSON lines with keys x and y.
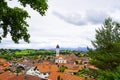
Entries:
{"x":57,"y":50}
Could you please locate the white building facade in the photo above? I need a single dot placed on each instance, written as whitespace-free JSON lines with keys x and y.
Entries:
{"x":60,"y":60}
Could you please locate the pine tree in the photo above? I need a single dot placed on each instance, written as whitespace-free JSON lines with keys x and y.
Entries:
{"x":107,"y":44}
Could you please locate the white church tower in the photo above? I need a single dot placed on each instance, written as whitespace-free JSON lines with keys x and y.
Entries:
{"x":57,"y":50}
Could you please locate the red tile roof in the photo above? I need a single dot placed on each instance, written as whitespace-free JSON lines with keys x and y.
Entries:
{"x":3,"y":64}
{"x":46,"y":67}
{"x":6,"y":75}
{"x":71,"y":70}
{"x":64,"y":76}
{"x":23,"y":77}
{"x":61,"y":56}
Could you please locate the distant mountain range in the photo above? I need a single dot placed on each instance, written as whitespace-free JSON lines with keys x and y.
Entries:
{"x":83,"y":49}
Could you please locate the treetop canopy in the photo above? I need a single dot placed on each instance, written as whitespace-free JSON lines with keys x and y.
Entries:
{"x":13,"y":20}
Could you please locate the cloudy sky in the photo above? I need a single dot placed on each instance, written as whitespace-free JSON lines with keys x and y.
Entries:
{"x":69,"y":23}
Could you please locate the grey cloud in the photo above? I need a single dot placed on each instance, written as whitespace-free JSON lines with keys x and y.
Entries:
{"x":92,"y":17}
{"x":96,"y":17}
{"x":75,"y":19}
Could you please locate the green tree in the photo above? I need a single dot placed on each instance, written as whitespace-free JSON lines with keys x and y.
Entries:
{"x":108,"y":75}
{"x":107,"y":47}
{"x":107,"y":53}
{"x":107,"y":35}
{"x":12,"y":20}
{"x":62,"y":68}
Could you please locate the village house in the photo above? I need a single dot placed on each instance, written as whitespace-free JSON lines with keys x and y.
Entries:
{"x":46,"y":68}
{"x":3,"y":64}
{"x":35,"y":72}
{"x":60,"y":59}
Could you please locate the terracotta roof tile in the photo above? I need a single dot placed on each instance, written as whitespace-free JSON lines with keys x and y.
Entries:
{"x":23,"y":77}
{"x":3,"y":64}
{"x":46,"y":67}
{"x":64,"y":76}
{"x":71,"y":70}
{"x":61,"y":56}
{"x":6,"y":75}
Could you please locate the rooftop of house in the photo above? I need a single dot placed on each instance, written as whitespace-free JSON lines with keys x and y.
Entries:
{"x":64,"y":76}
{"x":1,"y":71}
{"x":2,"y":60}
{"x":26,"y":64}
{"x":61,"y":56}
{"x":73,"y":67}
{"x":3,"y":64}
{"x":6,"y":75}
{"x":24,"y":77}
{"x":71,"y":70}
{"x":46,"y":67}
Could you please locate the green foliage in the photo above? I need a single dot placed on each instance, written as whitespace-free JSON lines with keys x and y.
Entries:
{"x":104,"y":60}
{"x":7,"y":56}
{"x":107,"y":54}
{"x":13,"y":20}
{"x":116,"y":74}
{"x":108,"y":75}
{"x":33,"y":57}
{"x":32,"y":54}
{"x":18,"y":71}
{"x":7,"y":69}
{"x":59,"y":78}
{"x":81,"y":54}
{"x":38,"y":5}
{"x":107,"y":35}
{"x":62,"y":68}
{"x":88,"y":72}
{"x":65,"y":51}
